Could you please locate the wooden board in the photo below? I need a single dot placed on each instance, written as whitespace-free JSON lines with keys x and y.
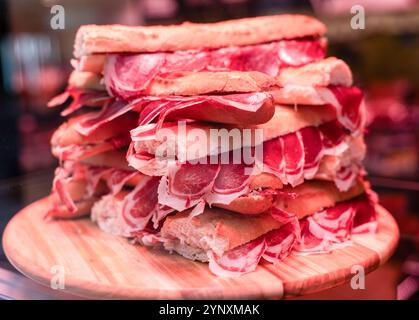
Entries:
{"x":98,"y":265}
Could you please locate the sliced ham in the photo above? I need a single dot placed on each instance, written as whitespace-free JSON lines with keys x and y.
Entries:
{"x":110,"y":111}
{"x":80,"y":98}
{"x":292,"y":158}
{"x":331,"y":228}
{"x":140,"y":204}
{"x":128,"y":76}
{"x":118,"y":179}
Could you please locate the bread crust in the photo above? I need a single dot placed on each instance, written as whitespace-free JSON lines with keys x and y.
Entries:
{"x":329,"y":71}
{"x":188,"y":84}
{"x":217,"y":229}
{"x":66,"y":134}
{"x":91,"y":39}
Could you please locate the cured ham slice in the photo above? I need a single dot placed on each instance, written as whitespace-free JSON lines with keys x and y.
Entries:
{"x":74,"y":187}
{"x":128,"y":75}
{"x":312,"y":143}
{"x":296,"y":156}
{"x":279,"y":242}
{"x":292,"y":158}
{"x":110,"y":111}
{"x":293,"y":155}
{"x":348,"y":102}
{"x":187,"y":184}
{"x":272,"y":246}
{"x":140,"y":204}
{"x":231,"y":182}
{"x":230,"y":108}
{"x":118,"y":178}
{"x":238,"y":261}
{"x":76,"y":152}
{"x":331,"y":228}
{"x":62,"y":177}
{"x":80,"y":98}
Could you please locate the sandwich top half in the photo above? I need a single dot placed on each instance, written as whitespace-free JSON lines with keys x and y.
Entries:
{"x":149,"y":148}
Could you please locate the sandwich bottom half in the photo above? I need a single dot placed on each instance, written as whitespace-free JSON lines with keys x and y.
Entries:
{"x":312,"y":218}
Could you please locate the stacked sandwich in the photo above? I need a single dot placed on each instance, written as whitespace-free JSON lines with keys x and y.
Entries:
{"x":229,"y":143}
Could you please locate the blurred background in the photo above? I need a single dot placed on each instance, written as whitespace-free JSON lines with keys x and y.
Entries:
{"x":34,"y":64}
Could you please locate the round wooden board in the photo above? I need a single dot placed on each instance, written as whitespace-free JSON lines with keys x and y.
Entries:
{"x":98,"y":265}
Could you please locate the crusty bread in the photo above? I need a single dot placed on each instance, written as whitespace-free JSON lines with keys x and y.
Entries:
{"x":217,"y":229}
{"x":107,"y":214}
{"x":314,"y":195}
{"x":189,"y":84}
{"x":197,"y":83}
{"x":85,"y":80}
{"x":91,"y":39}
{"x":299,"y":95}
{"x":92,"y":63}
{"x":250,"y":204}
{"x":66,"y":134}
{"x":329,"y":71}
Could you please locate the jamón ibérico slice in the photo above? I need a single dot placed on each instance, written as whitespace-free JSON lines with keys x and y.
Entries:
{"x":159,"y":215}
{"x":127,"y":76}
{"x":296,"y":53}
{"x":350,"y":100}
{"x":80,"y":98}
{"x":312,"y":144}
{"x":333,"y":135}
{"x":111,"y":110}
{"x":59,"y":185}
{"x":346,"y":175}
{"x":140,"y":204}
{"x":146,"y":163}
{"x":231,"y":108}
{"x":293,"y":153}
{"x":93,"y":176}
{"x":327,"y":229}
{"x":279,"y":242}
{"x":238,"y":261}
{"x":231,"y":182}
{"x":118,"y":178}
{"x":273,"y":157}
{"x":231,"y":178}
{"x":59,"y":99}
{"x":365,"y":220}
{"x":191,"y":181}
{"x":148,"y":238}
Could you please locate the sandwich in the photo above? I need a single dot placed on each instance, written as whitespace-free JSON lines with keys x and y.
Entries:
{"x":227,"y":143}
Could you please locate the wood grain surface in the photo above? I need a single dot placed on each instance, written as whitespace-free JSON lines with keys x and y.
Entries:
{"x":98,"y":265}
